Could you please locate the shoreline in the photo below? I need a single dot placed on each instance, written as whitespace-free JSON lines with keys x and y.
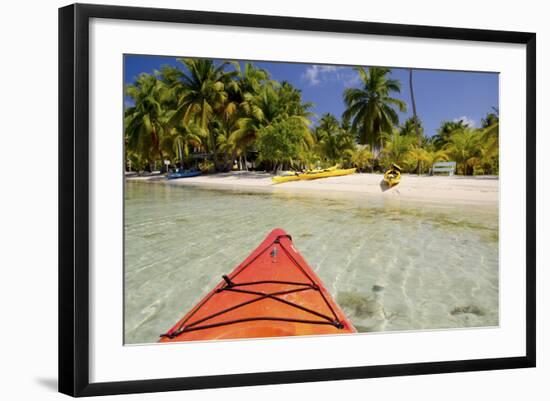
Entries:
{"x":478,"y":190}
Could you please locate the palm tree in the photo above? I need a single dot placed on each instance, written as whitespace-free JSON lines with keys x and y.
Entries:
{"x":371,"y":109}
{"x":261,"y":110}
{"x":201,"y":95}
{"x":464,"y":147}
{"x":396,"y":146}
{"x":413,"y":102}
{"x":145,"y":122}
{"x":485,"y":160}
{"x":326,"y":125}
{"x":433,"y":156}
{"x":361,"y":157}
{"x":248,"y":85}
{"x":490,"y":132}
{"x":181,"y":138}
{"x":410,"y":126}
{"x":292,"y":103}
{"x":415,"y":116}
{"x":444,"y":132}
{"x":250,"y":81}
{"x":228,"y":148}
{"x":418,"y":155}
{"x":332,"y":140}
{"x":490,"y":119}
{"x":425,"y":157}
{"x":269,"y":106}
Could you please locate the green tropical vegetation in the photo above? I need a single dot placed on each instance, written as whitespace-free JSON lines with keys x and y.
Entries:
{"x":222,"y":116}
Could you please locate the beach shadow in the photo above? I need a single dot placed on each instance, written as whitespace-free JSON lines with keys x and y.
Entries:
{"x":157,"y":178}
{"x":470,"y":177}
{"x":259,"y":175}
{"x":49,"y":383}
{"x":486,"y":177}
{"x":384,"y":186}
{"x":250,"y":175}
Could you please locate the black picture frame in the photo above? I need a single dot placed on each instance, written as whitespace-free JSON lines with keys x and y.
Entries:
{"x":74,"y":198}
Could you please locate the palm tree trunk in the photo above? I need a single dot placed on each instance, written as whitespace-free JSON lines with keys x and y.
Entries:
{"x":233,"y":158}
{"x":415,"y":118}
{"x":213,"y":147}
{"x":156,"y":144}
{"x":181,"y":156}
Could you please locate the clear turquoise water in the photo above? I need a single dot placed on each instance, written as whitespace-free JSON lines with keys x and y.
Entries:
{"x":390,"y":266}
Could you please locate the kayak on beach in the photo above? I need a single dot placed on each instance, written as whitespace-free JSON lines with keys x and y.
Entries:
{"x":287,"y":176}
{"x":393,"y":175}
{"x":312,"y":174}
{"x":184,"y":174}
{"x":272,"y":293}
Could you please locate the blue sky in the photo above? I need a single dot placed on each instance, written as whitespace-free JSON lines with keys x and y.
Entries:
{"x":440,"y":95}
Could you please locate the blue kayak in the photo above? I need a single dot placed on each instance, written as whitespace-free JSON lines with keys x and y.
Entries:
{"x":184,"y":174}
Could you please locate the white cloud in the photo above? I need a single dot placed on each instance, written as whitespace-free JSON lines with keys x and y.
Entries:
{"x":316,"y":74}
{"x":470,"y":122}
{"x":319,"y":74}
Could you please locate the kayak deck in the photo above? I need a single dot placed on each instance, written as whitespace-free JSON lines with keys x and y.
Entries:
{"x":313,"y":175}
{"x":271,"y":293}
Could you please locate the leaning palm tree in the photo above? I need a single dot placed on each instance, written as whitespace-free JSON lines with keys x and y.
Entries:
{"x":371,"y":109}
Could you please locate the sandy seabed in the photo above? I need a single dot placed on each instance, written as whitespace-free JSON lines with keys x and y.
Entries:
{"x":391,"y":262}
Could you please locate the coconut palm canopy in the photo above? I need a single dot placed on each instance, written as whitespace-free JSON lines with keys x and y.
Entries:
{"x":223,"y":115}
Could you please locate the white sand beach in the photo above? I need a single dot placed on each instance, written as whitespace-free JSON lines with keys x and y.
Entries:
{"x":454,"y":189}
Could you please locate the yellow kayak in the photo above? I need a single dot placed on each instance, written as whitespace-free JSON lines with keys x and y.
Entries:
{"x":286,"y":177}
{"x":312,"y":175}
{"x":393,"y":175}
{"x":327,"y":173}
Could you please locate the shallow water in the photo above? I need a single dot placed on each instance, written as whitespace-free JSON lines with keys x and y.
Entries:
{"x":389,"y":265}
